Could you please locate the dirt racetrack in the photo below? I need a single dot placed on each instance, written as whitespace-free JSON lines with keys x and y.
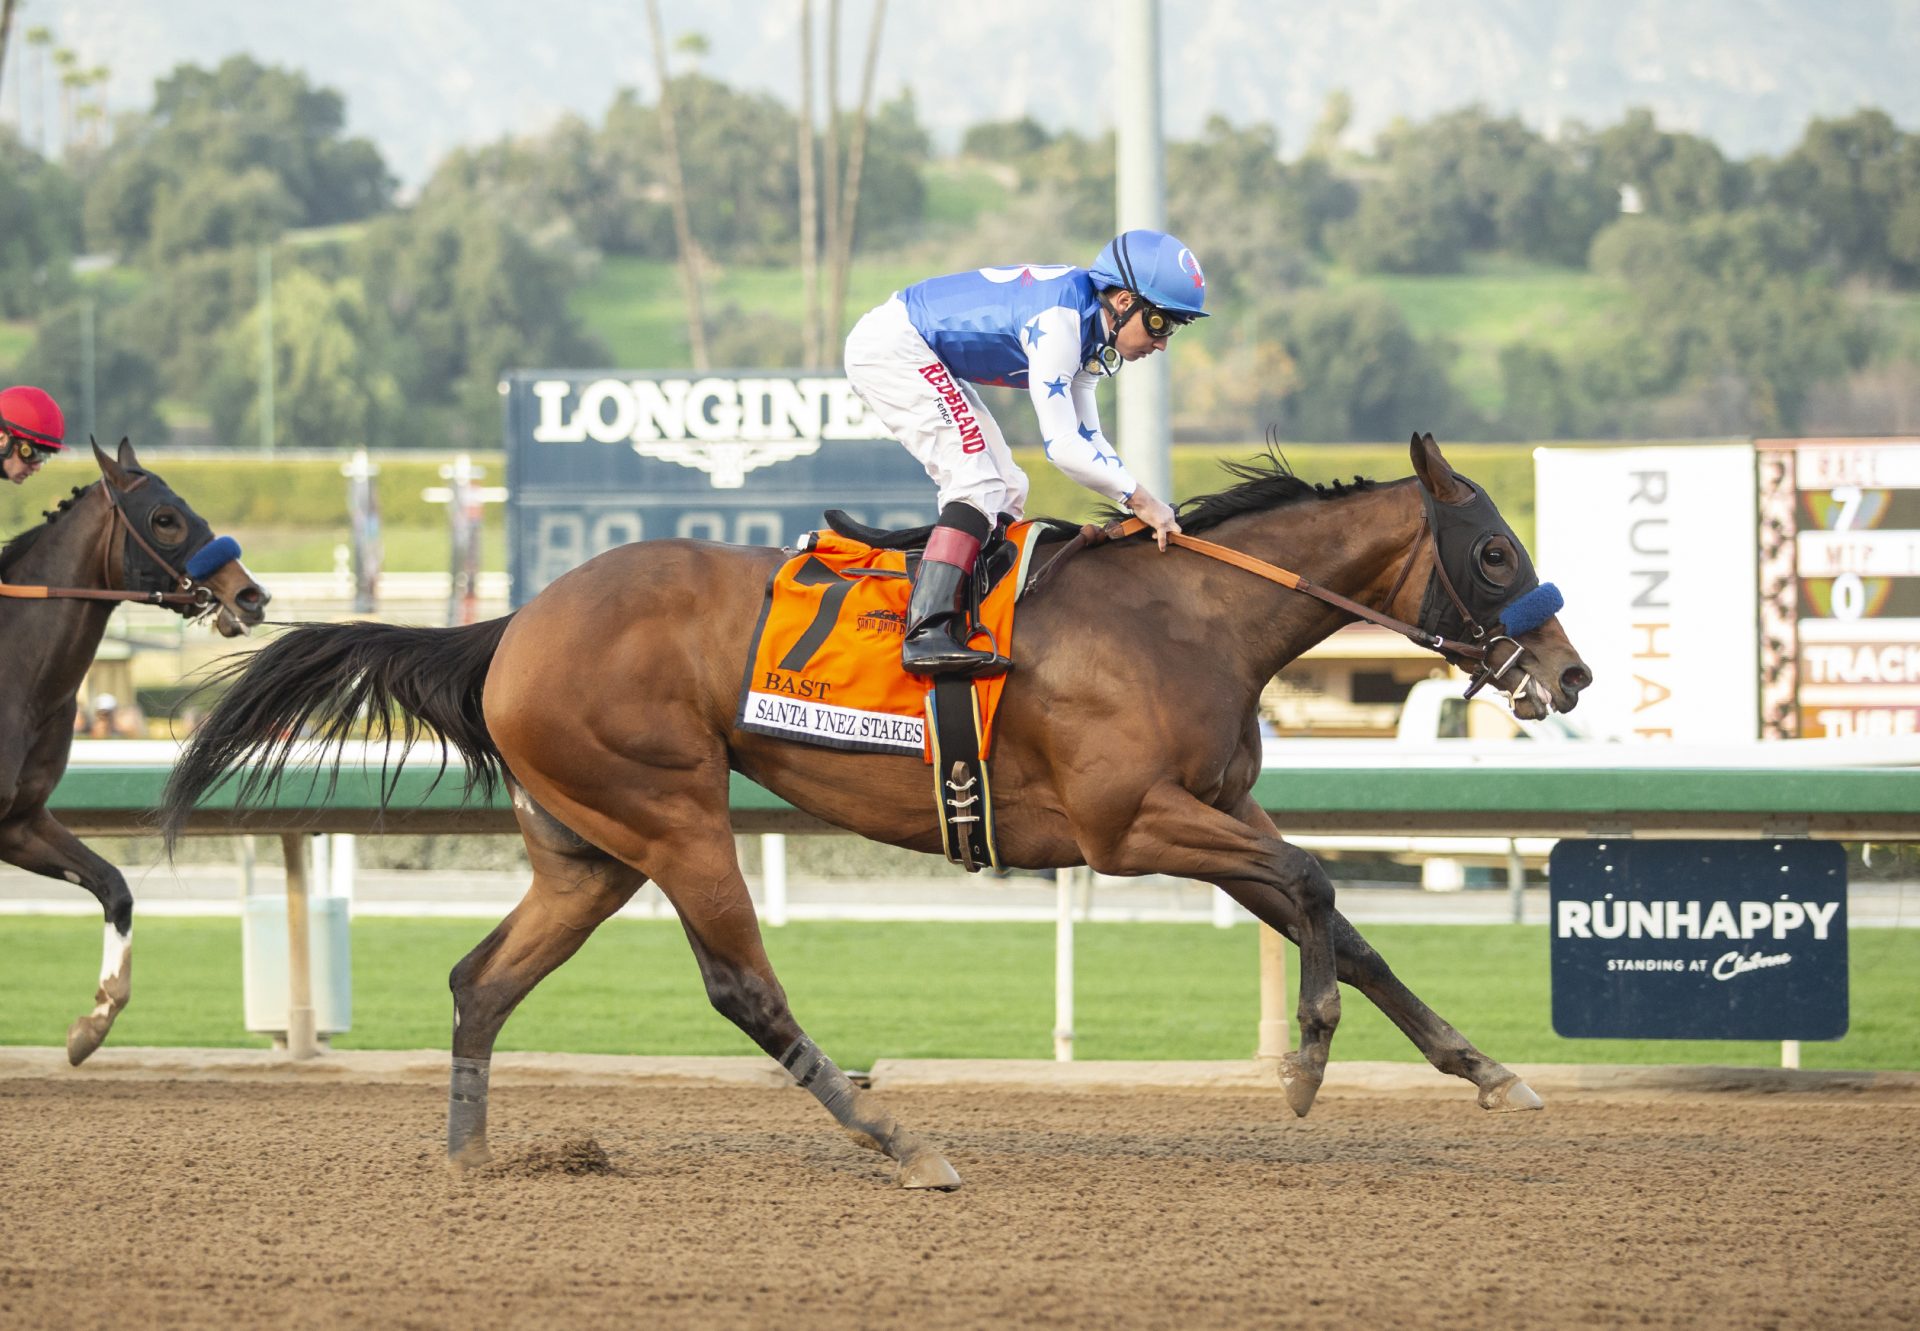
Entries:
{"x":182,"y":1203}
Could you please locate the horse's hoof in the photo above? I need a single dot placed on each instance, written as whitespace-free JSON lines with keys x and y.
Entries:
{"x":84,"y":1036}
{"x":474,"y":1155}
{"x":1510,"y":1096}
{"x":928,"y":1170}
{"x":1300,"y":1084}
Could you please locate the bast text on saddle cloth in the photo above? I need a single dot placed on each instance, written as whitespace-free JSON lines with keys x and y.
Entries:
{"x":824,"y":667}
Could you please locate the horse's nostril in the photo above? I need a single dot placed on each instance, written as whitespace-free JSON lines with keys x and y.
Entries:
{"x":252,"y":598}
{"x":1575,"y":678}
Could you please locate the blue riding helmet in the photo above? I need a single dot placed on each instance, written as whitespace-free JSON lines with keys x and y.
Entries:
{"x":1157,"y":267}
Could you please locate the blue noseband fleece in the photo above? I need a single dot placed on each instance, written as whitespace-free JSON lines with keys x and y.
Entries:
{"x":223,"y":550}
{"x":1529,"y":612}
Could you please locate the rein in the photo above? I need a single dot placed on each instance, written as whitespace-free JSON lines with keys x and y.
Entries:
{"x":190,"y":592}
{"x":1479,"y":653}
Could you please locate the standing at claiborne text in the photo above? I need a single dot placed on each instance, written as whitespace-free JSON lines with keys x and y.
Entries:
{"x":1051,"y":329}
{"x":32,"y":428}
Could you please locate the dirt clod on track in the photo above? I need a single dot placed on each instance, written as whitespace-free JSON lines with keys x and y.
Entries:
{"x":577,"y":1155}
{"x":178,"y":1203}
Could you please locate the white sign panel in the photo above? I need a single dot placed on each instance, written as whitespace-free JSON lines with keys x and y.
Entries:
{"x":1655,"y":550}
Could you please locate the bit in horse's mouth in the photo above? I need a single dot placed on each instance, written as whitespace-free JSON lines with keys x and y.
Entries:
{"x":1533,"y":702}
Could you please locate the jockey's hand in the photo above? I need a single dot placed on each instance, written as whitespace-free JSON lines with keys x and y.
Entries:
{"x":1155,"y":513}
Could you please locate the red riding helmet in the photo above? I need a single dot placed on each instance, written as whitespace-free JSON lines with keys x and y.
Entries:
{"x":33,"y":415}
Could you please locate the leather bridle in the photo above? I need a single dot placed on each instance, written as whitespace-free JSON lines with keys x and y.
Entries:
{"x":189,"y":592}
{"x":1481,"y":651}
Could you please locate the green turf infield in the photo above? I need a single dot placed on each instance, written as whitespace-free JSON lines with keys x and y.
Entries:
{"x":868,"y":990}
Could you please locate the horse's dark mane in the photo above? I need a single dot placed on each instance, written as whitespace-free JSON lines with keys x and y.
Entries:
{"x":16,"y":549}
{"x":1266,"y":482}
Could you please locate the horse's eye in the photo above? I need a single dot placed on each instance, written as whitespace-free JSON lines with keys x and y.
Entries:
{"x":1496,"y":556}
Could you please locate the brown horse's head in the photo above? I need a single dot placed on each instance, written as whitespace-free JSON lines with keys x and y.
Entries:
{"x":169,"y":547}
{"x":1482,"y":590}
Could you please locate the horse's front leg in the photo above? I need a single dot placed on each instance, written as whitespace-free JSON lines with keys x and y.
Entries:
{"x":1175,"y":833}
{"x":1363,"y":968}
{"x":37,"y":843}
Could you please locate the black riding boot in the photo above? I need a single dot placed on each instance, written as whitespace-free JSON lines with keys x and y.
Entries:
{"x":937,"y":623}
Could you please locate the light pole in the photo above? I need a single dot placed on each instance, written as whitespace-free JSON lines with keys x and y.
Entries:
{"x":266,"y":350}
{"x":1141,"y":201}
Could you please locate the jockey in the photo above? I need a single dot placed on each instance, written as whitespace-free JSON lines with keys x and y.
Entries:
{"x":1050,"y":329}
{"x":32,"y":427}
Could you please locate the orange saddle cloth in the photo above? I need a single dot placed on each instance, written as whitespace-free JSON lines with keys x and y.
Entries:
{"x":825,"y":665}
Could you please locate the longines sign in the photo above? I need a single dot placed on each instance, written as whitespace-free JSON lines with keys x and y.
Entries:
{"x":596,"y":459}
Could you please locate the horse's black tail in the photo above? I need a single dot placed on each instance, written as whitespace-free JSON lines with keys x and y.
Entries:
{"x":319,"y":682}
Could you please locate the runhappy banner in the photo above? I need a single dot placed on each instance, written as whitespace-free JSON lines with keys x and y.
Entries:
{"x":1699,"y":940}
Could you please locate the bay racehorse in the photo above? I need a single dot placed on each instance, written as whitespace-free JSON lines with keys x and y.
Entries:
{"x":126,"y":537}
{"x":1127,"y":740}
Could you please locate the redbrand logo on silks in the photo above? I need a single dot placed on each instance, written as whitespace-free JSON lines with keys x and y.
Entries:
{"x":937,"y":375}
{"x":1191,"y":266}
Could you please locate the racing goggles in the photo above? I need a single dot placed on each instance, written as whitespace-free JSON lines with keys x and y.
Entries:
{"x":28,"y":451}
{"x":1159,"y":322}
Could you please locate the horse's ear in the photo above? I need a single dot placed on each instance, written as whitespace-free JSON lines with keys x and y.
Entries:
{"x":110,"y":469}
{"x":127,"y":459}
{"x":1435,"y":474}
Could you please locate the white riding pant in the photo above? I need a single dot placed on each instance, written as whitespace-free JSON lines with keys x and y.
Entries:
{"x":935,"y":413}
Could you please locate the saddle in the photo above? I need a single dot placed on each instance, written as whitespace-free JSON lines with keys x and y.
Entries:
{"x":997,"y":555}
{"x":825,"y":664}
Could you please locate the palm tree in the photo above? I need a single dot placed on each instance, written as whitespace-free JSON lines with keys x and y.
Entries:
{"x":840,"y":242}
{"x":809,"y":200}
{"x":682,"y":218}
{"x":6,"y":29}
{"x":69,"y":65}
{"x":39,"y":37}
{"x":96,"y":109}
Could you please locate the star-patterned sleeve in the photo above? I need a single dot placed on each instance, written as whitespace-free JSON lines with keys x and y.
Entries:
{"x":1063,"y":399}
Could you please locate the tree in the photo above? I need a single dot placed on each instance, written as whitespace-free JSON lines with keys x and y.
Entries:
{"x":237,"y":120}
{"x":1678,"y":176}
{"x":463,"y":297}
{"x":1739,"y":300}
{"x":1540,"y":397}
{"x":1227,"y":199}
{"x":39,"y":39}
{"x":1857,"y":181}
{"x":840,"y":228}
{"x":181,"y":317}
{"x":6,"y":29}
{"x":1359,"y":372}
{"x":39,"y":217}
{"x":67,"y":61}
{"x":330,"y":388}
{"x":809,"y":199}
{"x":126,"y":382}
{"x":1006,"y":141}
{"x":1466,"y":181}
{"x":218,"y":210}
{"x":686,"y":249}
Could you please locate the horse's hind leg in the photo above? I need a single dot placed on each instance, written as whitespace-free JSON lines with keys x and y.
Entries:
{"x":700,"y":874}
{"x":575,"y":887}
{"x":39,"y":844}
{"x":1443,"y":1046}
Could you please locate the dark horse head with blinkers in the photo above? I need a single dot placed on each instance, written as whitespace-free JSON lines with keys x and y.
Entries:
{"x":126,"y":537}
{"x":1127,"y":739}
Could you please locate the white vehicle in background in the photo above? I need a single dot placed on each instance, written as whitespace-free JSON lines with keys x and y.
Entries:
{"x":1437,"y":711}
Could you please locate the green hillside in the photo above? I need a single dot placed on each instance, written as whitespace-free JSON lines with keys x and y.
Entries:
{"x":1498,"y":302}
{"x":634,"y":306}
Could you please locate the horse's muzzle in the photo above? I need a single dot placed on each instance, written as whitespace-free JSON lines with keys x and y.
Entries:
{"x":243,"y":602}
